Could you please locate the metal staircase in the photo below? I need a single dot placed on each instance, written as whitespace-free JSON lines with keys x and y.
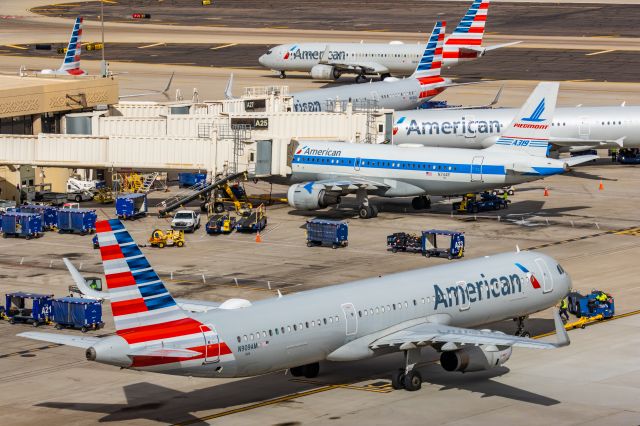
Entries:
{"x":148,"y":182}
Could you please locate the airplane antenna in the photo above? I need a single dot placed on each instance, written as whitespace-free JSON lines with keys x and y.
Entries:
{"x":517,"y":249}
{"x":624,"y":103}
{"x":279,"y":294}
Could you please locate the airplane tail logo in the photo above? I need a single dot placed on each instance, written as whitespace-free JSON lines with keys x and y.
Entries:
{"x":71,"y":62}
{"x":532,"y":279}
{"x":400,"y":121}
{"x":529,"y":132}
{"x":468,"y":33}
{"x":431,"y":61}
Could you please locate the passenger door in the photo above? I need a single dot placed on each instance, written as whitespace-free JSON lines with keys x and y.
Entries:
{"x":462,"y":294}
{"x":351,"y":319}
{"x":545,"y":276}
{"x":584,"y":128}
{"x":211,"y":344}
{"x":356,"y":164}
{"x":476,"y":168}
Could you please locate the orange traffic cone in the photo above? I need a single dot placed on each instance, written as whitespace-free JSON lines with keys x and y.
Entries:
{"x":258,"y":237}
{"x":601,"y":187}
{"x":546,"y":192}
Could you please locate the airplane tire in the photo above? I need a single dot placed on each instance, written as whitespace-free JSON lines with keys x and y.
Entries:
{"x":412,"y":381}
{"x":297,"y":371}
{"x":364,"y":212}
{"x":218,"y":207}
{"x":374,"y":211}
{"x":417,"y":203}
{"x":525,"y":334}
{"x":397,"y":379}
{"x":311,"y":370}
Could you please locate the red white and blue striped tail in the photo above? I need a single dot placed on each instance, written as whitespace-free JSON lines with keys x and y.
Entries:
{"x":431,"y":62}
{"x":531,"y":128}
{"x":466,"y":40}
{"x":71,"y":62}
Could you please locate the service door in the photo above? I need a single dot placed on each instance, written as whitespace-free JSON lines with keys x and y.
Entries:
{"x":584,"y":128}
{"x":350,"y":318}
{"x":356,"y":164}
{"x":476,"y":168}
{"x":545,"y":276}
{"x":211,"y":344}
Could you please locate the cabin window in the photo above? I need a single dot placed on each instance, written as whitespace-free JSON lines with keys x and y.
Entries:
{"x":388,"y":308}
{"x":318,"y":322}
{"x":270,"y":332}
{"x":400,"y":305}
{"x":294,"y":327}
{"x":244,"y":337}
{"x":337,"y":318}
{"x":415,"y":303}
{"x":377,"y":310}
{"x":289,"y":328}
{"x":251,"y":336}
{"x":371,"y":311}
{"x":264,"y":333}
{"x":360,"y":314}
{"x":282,"y":329}
{"x":394,"y":306}
{"x":325,"y":321}
{"x":366,"y":312}
{"x":300,"y":326}
{"x":330,"y":319}
{"x":239,"y":339}
{"x":406,"y":305}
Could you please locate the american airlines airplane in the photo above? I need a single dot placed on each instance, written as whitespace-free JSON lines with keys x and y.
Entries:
{"x":392,"y":93}
{"x":329,"y":61}
{"x":71,"y":63}
{"x":574,"y":129}
{"x":350,"y":322}
{"x":327,"y":171}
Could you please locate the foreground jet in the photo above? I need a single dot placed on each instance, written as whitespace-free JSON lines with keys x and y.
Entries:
{"x":392,"y":93}
{"x":329,"y":170}
{"x":328,"y":61}
{"x":349,"y":322}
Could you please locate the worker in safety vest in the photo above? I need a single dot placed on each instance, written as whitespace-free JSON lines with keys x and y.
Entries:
{"x":602,"y":297}
{"x":564,"y":310}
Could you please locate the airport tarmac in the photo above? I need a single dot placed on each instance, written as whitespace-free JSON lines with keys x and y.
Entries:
{"x":593,"y":233}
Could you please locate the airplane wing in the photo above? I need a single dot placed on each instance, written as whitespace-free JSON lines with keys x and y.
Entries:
{"x":349,"y":184}
{"x":366,"y":67}
{"x":574,"y":161}
{"x":429,"y":333}
{"x":570,"y":142}
{"x":61,"y":339}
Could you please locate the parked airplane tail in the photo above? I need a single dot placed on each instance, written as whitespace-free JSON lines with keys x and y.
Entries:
{"x":466,"y":40}
{"x":431,"y":62}
{"x":530,"y":129}
{"x":71,"y":62}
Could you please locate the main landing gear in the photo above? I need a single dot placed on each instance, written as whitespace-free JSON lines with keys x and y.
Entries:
{"x":282,"y":74}
{"x":521,"y":331}
{"x":309,"y":371}
{"x":408,"y":378}
{"x":383,"y":76}
{"x":365,"y":211}
{"x":421,"y":203}
{"x":361,"y":78}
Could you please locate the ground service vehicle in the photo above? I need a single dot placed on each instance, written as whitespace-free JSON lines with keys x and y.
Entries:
{"x":30,"y":308}
{"x":220,"y":224}
{"x":185,"y":220}
{"x":453,"y":247}
{"x":472,"y":204}
{"x":325,"y":231}
{"x":170,"y":238}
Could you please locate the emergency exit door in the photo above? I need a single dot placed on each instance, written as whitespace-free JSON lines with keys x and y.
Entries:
{"x":476,"y":168}
{"x":211,"y":344}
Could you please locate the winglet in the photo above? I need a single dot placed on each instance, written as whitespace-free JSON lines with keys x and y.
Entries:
{"x":81,"y":283}
{"x":166,"y":89}
{"x":497,"y":98}
{"x":228,"y":91}
{"x":561,"y":332}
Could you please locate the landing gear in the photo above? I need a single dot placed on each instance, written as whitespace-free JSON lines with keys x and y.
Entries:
{"x":408,"y":378}
{"x":361,"y":78}
{"x":383,"y":76}
{"x":282,"y":74}
{"x":365,"y":211}
{"x":421,"y":203}
{"x":309,"y":371}
{"x":521,"y":331}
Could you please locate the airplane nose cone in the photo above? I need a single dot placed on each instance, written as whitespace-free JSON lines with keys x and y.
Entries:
{"x":263,"y":60}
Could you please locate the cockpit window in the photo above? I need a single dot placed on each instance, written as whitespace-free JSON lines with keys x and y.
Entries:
{"x":560,"y":269}
{"x":269,"y":52}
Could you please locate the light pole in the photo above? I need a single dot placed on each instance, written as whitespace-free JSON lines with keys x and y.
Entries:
{"x":103,"y":64}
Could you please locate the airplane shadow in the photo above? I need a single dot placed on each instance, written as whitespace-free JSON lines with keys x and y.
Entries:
{"x":149,"y":401}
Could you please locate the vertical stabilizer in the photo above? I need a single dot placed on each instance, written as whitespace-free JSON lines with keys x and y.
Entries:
{"x":71,"y":62}
{"x":431,"y":62}
{"x":465,"y":42}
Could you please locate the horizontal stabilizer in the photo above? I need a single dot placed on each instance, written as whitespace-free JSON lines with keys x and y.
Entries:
{"x":165,"y":352}
{"x":499,"y":46}
{"x":61,"y":339}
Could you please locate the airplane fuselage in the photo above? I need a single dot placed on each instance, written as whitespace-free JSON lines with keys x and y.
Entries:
{"x":478,"y":128}
{"x":309,"y":326}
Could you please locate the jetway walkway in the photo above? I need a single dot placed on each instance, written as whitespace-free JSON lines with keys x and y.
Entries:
{"x":193,"y":193}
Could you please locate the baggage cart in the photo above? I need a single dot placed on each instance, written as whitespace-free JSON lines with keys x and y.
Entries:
{"x":76,"y":312}
{"x":402,"y":241}
{"x":325,"y":231}
{"x":18,"y":224}
{"x":188,"y":180}
{"x":76,"y":220}
{"x":48,"y":214}
{"x":452,"y":248}
{"x":131,"y":206}
{"x":220,"y":224}
{"x":30,"y":308}
{"x":252,"y":220}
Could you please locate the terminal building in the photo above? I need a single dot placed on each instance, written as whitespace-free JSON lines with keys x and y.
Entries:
{"x":254,"y":133}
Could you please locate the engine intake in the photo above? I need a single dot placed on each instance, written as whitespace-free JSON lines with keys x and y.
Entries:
{"x":325,"y":72}
{"x":475,"y":358}
{"x":310,"y":196}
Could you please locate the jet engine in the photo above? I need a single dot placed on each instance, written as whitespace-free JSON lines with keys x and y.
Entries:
{"x":310,"y":196}
{"x":325,"y":72}
{"x":474,"y":358}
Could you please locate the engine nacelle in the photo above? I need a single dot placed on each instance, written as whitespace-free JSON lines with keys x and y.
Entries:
{"x":474,"y":358}
{"x":325,"y":72}
{"x":310,"y":196}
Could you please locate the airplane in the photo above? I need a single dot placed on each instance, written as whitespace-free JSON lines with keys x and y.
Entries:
{"x":428,"y":307}
{"x":323,"y":172}
{"x":71,"y":62}
{"x":326,"y":61}
{"x":572,"y":129}
{"x":392,"y":93}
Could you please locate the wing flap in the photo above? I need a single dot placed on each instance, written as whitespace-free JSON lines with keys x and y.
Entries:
{"x":367,"y":67}
{"x":61,"y":339}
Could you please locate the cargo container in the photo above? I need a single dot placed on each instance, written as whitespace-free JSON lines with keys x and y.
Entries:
{"x":28,"y":307}
{"x":191,"y":179}
{"x":76,"y":312}
{"x":131,"y":206}
{"x":81,"y":221}
{"x":48,"y":214}
{"x":325,"y":231}
{"x":18,"y":224}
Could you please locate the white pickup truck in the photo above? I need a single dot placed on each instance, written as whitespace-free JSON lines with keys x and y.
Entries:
{"x":186,"y":220}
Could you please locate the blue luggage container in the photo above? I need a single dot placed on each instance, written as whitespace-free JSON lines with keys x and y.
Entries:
{"x":324,"y":231}
{"x":131,"y":206}
{"x":28,"y":307}
{"x":49,"y":214}
{"x":191,"y":179}
{"x":18,"y":224}
{"x":76,"y":312}
{"x":454,"y":248}
{"x":81,"y":221}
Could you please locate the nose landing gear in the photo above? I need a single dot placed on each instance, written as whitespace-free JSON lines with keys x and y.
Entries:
{"x":282,"y":74}
{"x":521,"y":331}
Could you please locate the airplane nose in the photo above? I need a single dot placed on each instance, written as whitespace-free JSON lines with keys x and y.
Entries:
{"x":263,"y":59}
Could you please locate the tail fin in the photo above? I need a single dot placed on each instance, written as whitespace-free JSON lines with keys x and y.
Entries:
{"x":529,"y":131}
{"x":71,"y":63}
{"x":465,"y":41}
{"x":143,"y":309}
{"x":431,"y":62}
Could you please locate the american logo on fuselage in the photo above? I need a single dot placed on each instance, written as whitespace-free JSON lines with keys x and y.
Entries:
{"x":332,"y":55}
{"x":459,"y":127}
{"x":305,"y":150}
